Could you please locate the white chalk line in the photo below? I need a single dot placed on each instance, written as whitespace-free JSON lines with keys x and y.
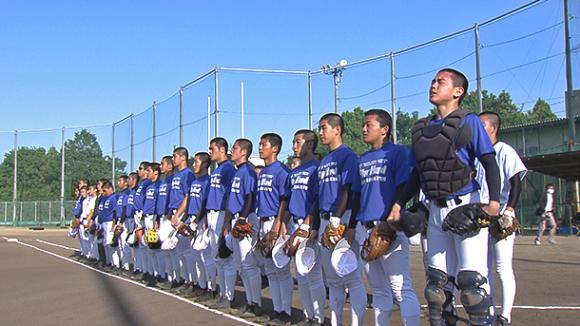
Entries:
{"x":195,"y":304}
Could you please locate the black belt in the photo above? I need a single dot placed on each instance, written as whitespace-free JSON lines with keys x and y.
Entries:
{"x":442,"y":202}
{"x":325,"y":215}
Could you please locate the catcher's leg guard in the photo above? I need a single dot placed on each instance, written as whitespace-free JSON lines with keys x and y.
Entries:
{"x":435,"y":295}
{"x":475,"y":299}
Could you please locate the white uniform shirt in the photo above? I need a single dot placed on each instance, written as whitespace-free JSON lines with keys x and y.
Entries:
{"x":549,"y":203}
{"x":88,"y":204}
{"x":509,"y":164}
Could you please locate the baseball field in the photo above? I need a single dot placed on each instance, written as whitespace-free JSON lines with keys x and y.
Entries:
{"x":42,"y":285}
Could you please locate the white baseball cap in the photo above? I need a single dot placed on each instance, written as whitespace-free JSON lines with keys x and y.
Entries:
{"x":131,"y":238}
{"x":306,"y":255}
{"x":164,"y":230}
{"x":343,"y":259}
{"x":201,"y":242}
{"x":278,"y":255}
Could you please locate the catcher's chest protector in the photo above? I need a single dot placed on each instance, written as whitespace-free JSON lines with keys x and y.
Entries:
{"x":435,"y":147}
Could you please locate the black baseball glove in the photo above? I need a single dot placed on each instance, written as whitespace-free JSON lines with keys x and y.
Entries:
{"x":467,"y":220}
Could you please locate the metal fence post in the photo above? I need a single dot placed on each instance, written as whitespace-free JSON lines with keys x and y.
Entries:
{"x":132,"y":138}
{"x":15,"y":181}
{"x":309,"y":100}
{"x":180,"y":116}
{"x":208,"y":120}
{"x":154,"y":127}
{"x":36,"y":212}
{"x":242,"y":106}
{"x":393,"y":99}
{"x":113,"y":152}
{"x":216,"y":100}
{"x":62,"y":159}
{"x":49,"y":212}
{"x":478,"y":69}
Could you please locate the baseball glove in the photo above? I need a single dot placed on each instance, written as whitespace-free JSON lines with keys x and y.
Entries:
{"x":266,"y":244}
{"x":332,"y":235}
{"x":116,"y":234}
{"x":414,"y":219}
{"x":378,"y":242}
{"x":504,"y":226}
{"x":294,"y":242}
{"x":241,"y":229}
{"x":466,"y":220}
{"x":75,"y":223}
{"x":185,"y":230}
{"x":223,"y":250}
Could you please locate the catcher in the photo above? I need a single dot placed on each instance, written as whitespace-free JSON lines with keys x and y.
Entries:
{"x":445,"y":147}
{"x":382,"y":171}
{"x":502,"y":230}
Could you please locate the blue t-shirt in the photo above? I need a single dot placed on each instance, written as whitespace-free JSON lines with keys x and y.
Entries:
{"x":163,"y":197}
{"x":244,"y":183}
{"x":197,"y":194}
{"x":78,"y":207}
{"x":272,"y":186}
{"x":304,"y":188}
{"x":122,"y":198}
{"x":180,"y":185}
{"x":107,"y":208}
{"x":219,"y":187}
{"x":381,"y":171}
{"x":151,"y":194}
{"x":139,"y":197}
{"x":479,"y":145}
{"x":336,"y":170}
{"x":130,"y":209}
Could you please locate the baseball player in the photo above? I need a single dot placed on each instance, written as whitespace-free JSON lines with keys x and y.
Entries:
{"x":122,"y":198}
{"x":272,"y":201}
{"x":150,"y":222}
{"x":203,"y":261}
{"x":77,"y":211}
{"x":241,"y":210}
{"x":219,"y":190}
{"x":165,"y":257}
{"x":138,"y":200}
{"x":336,"y":174}
{"x":83,"y":231}
{"x":128,"y":225}
{"x":445,"y":147}
{"x":546,"y":209}
{"x":383,"y":170}
{"x":106,"y":217}
{"x":512,"y":171}
{"x":178,"y":200}
{"x":304,"y":193}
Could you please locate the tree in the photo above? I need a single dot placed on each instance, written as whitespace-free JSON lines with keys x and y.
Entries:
{"x":405,"y":122}
{"x":352,"y":134}
{"x":541,"y":112}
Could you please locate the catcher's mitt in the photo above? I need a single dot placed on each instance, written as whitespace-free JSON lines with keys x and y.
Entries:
{"x":75,"y":223}
{"x":223,"y":250}
{"x":332,"y":235}
{"x":414,"y":219}
{"x":294,"y":242}
{"x":266,"y":244}
{"x":504,"y":226}
{"x":378,"y":242}
{"x":116,"y":234}
{"x":185,"y":230}
{"x":241,"y":229}
{"x":466,"y":220}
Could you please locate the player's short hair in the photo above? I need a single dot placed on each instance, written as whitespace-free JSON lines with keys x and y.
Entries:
{"x":181,"y":151}
{"x":85,"y":181}
{"x":102,"y":181}
{"x":107,"y":185}
{"x":134,"y":176}
{"x":550,"y":185}
{"x":274,"y":139}
{"x":85,"y":188}
{"x":493,"y":118}
{"x":384,"y":119}
{"x":167,"y":159}
{"x":246,"y":145}
{"x":334,"y":120}
{"x":309,"y":136}
{"x":459,"y":80}
{"x":220,"y":142}
{"x":154,"y":166}
{"x":143,"y":165}
{"x":123,"y":177}
{"x":204,"y":157}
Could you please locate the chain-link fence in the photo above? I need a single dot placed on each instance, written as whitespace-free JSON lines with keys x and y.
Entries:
{"x":506,"y":58}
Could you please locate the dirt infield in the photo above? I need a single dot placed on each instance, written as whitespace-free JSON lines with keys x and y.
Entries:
{"x":42,"y":286}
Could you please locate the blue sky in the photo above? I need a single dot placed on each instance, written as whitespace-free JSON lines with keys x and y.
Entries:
{"x":75,"y":63}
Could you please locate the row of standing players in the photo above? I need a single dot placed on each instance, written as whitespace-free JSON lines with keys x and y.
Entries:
{"x":360,"y":192}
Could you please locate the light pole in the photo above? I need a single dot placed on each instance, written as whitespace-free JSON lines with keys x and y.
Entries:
{"x":336,"y":72}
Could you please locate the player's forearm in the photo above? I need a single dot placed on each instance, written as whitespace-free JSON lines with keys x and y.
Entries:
{"x":182,"y":208}
{"x":248,"y":205}
{"x":281,"y":212}
{"x":409,"y":190}
{"x":342,"y":204}
{"x":491,"y":176}
{"x":355,"y":210}
{"x":515,"y":190}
